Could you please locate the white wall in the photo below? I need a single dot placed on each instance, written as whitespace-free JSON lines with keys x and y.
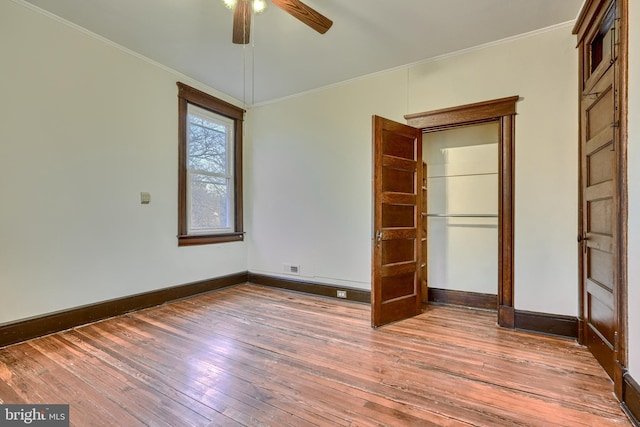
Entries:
{"x":542,"y":70}
{"x":634,"y":190}
{"x":462,"y":178}
{"x":309,"y":172}
{"x":308,"y":177}
{"x":85,"y":128}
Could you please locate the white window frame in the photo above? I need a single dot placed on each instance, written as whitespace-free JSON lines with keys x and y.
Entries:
{"x":228,"y":124}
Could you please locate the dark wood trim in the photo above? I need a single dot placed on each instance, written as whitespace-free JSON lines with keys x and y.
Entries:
{"x":191,"y":240}
{"x":579,"y":249}
{"x":477,"y":112}
{"x":586,"y":16}
{"x":503,"y":111}
{"x":238,"y":195}
{"x":467,"y":299}
{"x":549,"y":324}
{"x":631,"y":399}
{"x":209,"y":102}
{"x":188,"y":95}
{"x":587,"y":25}
{"x":353,"y":294}
{"x":506,"y":221}
{"x":623,"y":205}
{"x":581,"y":331}
{"x":506,"y":316}
{"x":55,"y":322}
{"x":182,"y":167}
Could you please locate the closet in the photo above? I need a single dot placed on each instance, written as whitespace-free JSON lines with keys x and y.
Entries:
{"x":401,"y":235}
{"x":461,"y":218}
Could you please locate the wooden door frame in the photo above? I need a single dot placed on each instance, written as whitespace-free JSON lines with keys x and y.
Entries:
{"x":591,"y":11}
{"x":503,"y":112}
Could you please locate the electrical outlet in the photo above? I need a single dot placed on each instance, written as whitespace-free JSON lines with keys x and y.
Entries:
{"x":341,"y":294}
{"x":291,"y":269}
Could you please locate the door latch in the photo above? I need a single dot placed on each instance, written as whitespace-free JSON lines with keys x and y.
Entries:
{"x":378,"y":238}
{"x":582,"y":239}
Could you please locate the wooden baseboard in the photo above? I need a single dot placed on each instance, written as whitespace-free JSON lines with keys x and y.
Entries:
{"x":506,"y":316}
{"x":631,"y":399}
{"x":551,"y":324}
{"x":43,"y":325}
{"x":564,"y":326}
{"x":581,"y":337}
{"x":353,"y":294}
{"x":467,"y":299}
{"x":31,"y":328}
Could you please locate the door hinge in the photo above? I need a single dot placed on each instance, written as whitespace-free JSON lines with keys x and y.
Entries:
{"x":615,"y":124}
{"x":615,"y":341}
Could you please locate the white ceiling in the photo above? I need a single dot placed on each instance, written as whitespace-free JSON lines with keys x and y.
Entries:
{"x":194,"y":36}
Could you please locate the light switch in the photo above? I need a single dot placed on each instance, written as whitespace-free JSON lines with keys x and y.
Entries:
{"x":145,"y":198}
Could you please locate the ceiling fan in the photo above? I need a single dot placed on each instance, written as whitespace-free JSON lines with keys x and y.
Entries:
{"x":295,"y":8}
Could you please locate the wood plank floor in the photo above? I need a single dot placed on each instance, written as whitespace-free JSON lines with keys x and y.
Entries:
{"x":254,"y":356}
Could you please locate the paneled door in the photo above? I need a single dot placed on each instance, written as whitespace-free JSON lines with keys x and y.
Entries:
{"x":397,"y":187}
{"x":598,"y":222}
{"x":602,"y":209}
{"x":423,"y":238}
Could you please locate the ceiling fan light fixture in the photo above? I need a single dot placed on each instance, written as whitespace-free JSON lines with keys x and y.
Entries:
{"x":245,"y":9}
{"x":230,"y":4}
{"x":259,"y":6}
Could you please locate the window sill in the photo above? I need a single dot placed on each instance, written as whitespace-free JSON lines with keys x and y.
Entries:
{"x":192,"y":240}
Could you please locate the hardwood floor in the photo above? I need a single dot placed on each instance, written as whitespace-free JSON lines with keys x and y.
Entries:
{"x":258,"y":356}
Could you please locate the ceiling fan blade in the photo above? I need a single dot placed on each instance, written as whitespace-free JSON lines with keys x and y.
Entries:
{"x":242,"y":22}
{"x":304,"y":13}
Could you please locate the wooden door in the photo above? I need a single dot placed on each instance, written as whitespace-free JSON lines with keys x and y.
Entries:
{"x":599,"y":222}
{"x":600,"y":192}
{"x":424,"y":256}
{"x":397,"y":184}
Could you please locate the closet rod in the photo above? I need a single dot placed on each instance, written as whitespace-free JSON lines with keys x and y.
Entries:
{"x":462,"y":175}
{"x":435,"y":215}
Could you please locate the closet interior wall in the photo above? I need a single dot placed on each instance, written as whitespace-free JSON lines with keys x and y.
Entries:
{"x":462,"y":208}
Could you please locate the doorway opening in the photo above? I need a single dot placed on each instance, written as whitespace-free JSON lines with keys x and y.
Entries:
{"x":398,"y":172}
{"x":502,"y":111}
{"x":461,"y":217}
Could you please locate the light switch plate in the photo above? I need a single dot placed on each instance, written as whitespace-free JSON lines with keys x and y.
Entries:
{"x":145,"y":198}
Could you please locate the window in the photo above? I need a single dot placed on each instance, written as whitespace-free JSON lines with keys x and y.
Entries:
{"x":209,"y":169}
{"x":602,"y":45}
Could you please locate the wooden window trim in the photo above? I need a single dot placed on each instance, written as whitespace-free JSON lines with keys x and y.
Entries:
{"x":188,"y":95}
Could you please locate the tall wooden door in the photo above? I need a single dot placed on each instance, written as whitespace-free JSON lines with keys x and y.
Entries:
{"x":424,"y":223}
{"x":598,"y":223}
{"x":600,"y":210}
{"x":397,"y":186}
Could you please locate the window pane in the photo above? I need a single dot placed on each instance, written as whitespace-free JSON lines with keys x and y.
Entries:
{"x":207,"y":146}
{"x":210,"y":202}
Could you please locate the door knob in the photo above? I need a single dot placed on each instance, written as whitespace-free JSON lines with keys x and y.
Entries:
{"x":583,"y":238}
{"x":378,"y":237}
